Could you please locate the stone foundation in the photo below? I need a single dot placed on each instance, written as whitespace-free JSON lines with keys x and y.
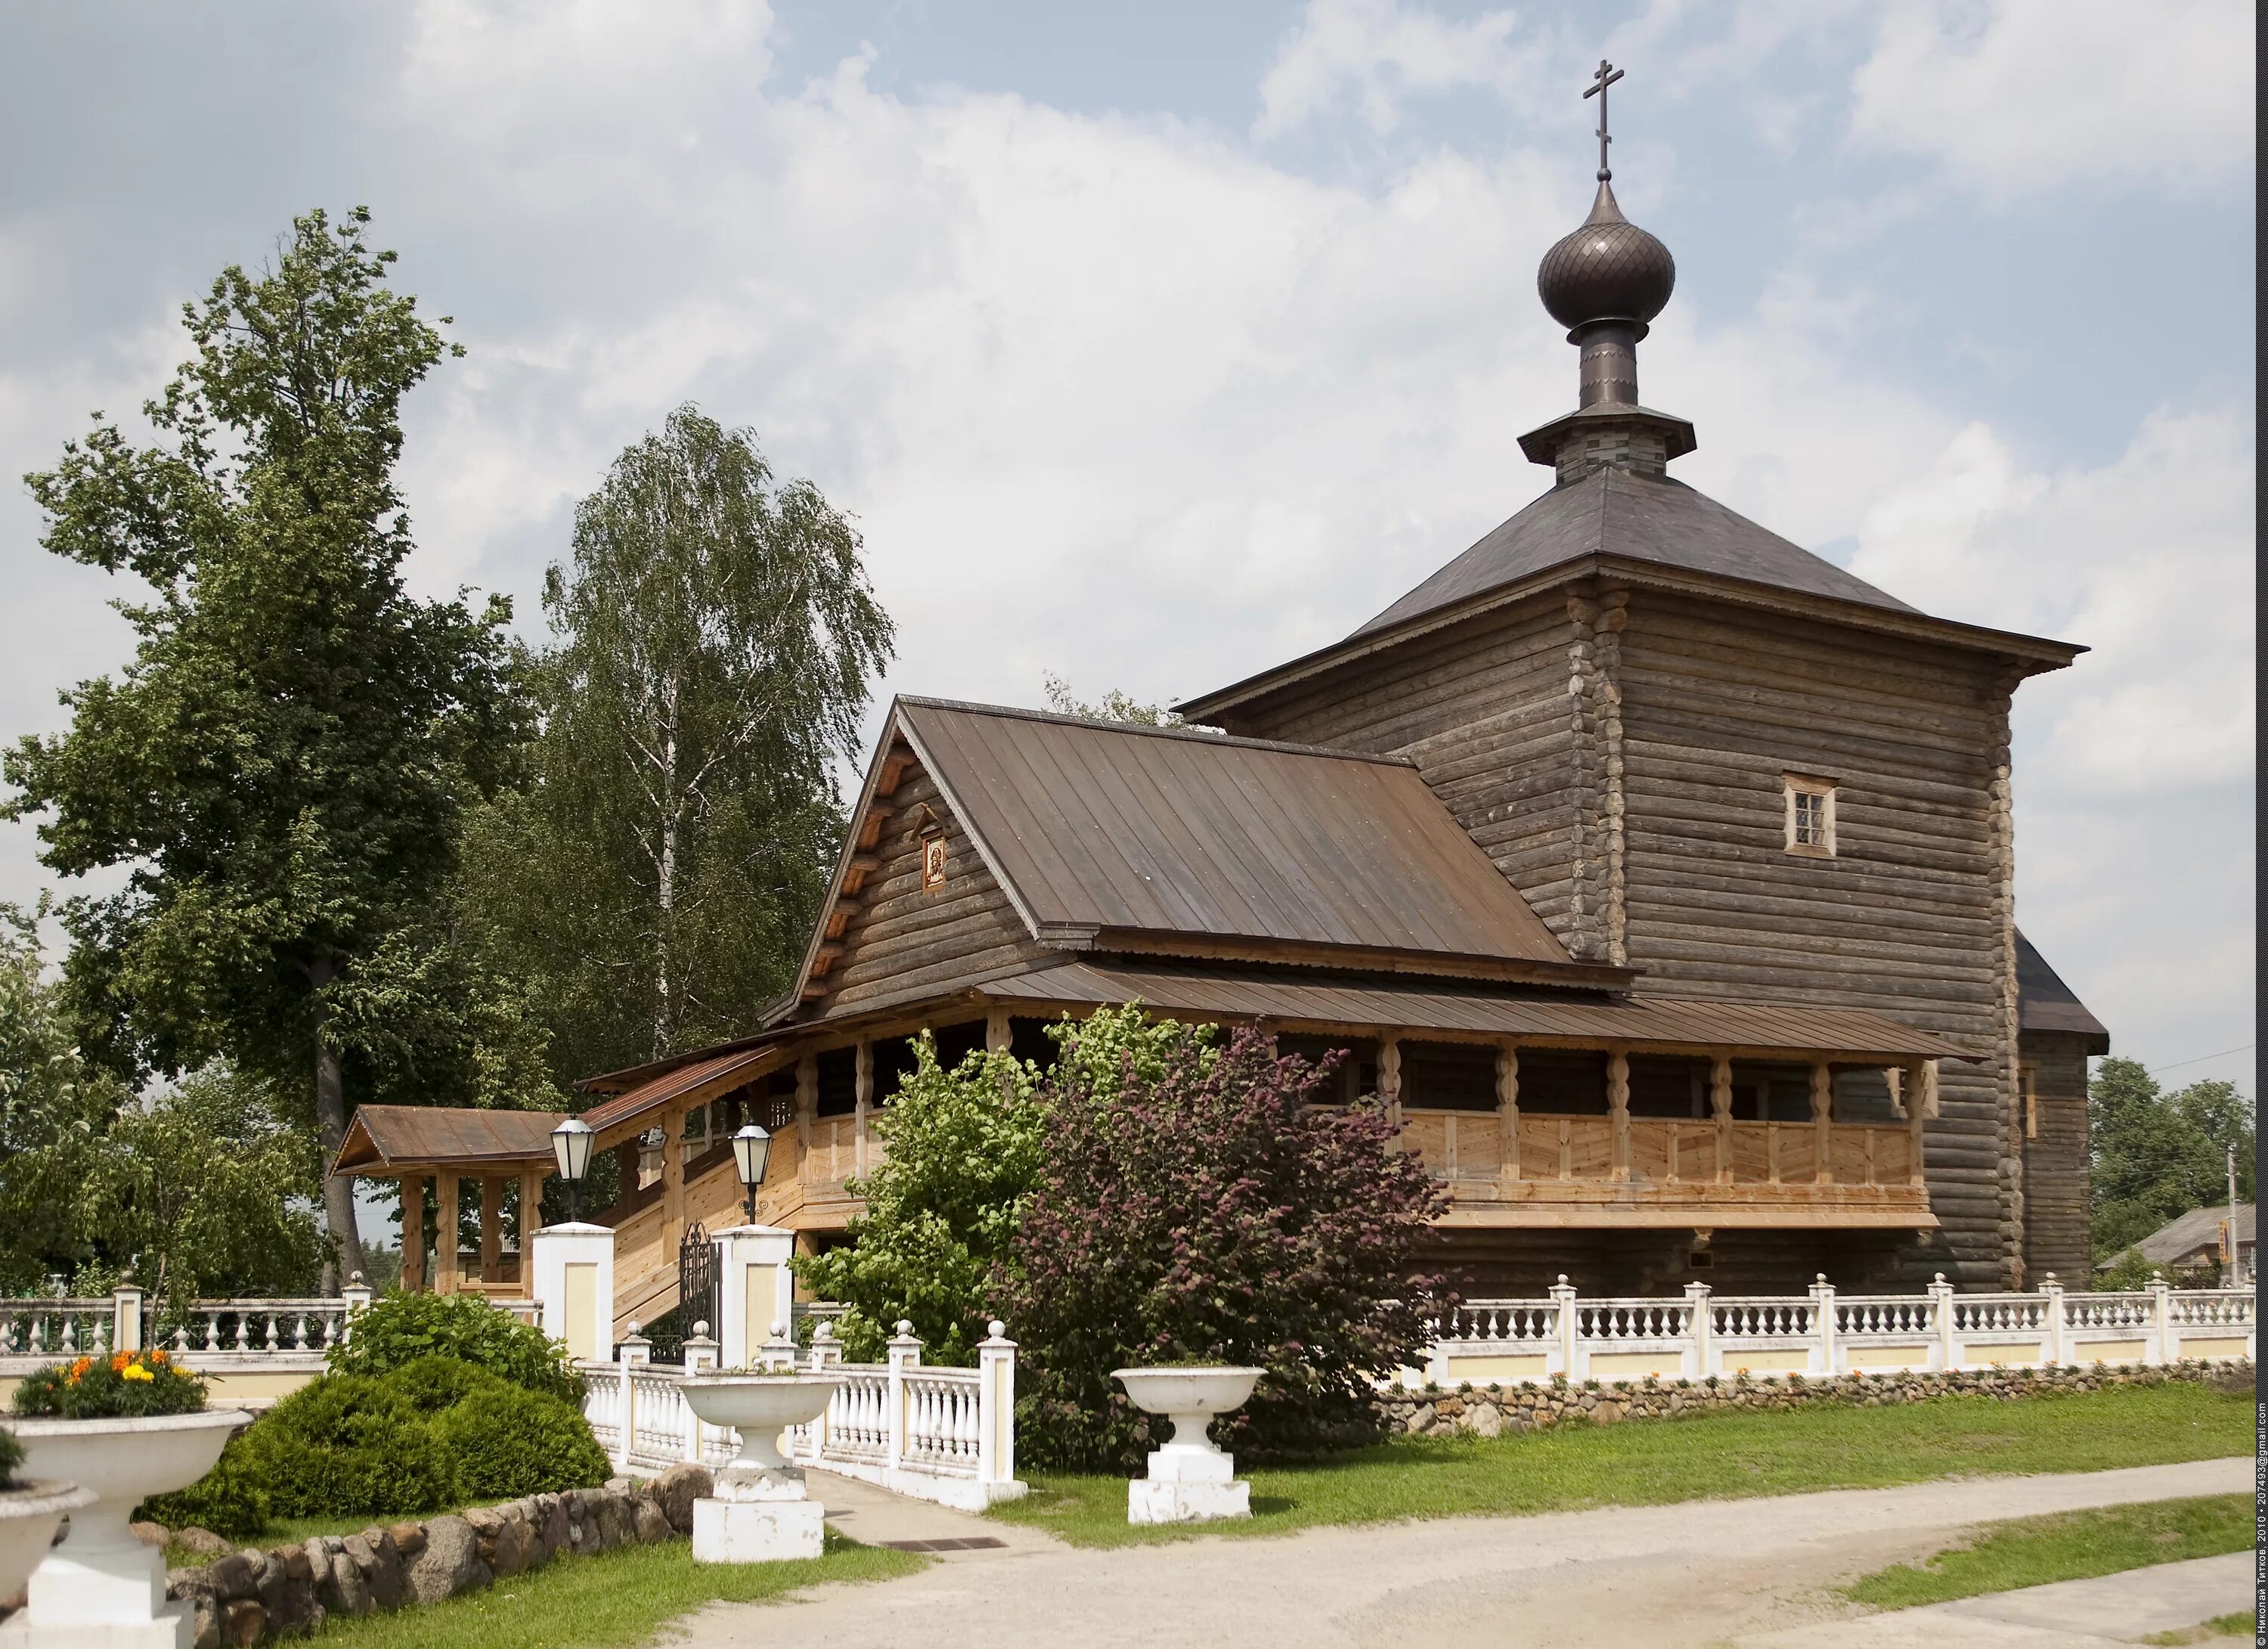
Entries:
{"x":1492,"y":1410}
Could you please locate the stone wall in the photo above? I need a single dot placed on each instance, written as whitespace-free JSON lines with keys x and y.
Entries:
{"x":1492,"y":1410}
{"x":252,"y":1597}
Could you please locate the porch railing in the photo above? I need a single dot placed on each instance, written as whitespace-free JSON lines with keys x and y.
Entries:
{"x":1821,"y":1332}
{"x":943,"y":1434}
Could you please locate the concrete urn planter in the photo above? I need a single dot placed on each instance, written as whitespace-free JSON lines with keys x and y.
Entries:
{"x":102,"y":1585}
{"x":761,"y":1511}
{"x":1190,"y":1480}
{"x":29,"y":1515}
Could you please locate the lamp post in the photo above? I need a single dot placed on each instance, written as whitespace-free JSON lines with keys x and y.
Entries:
{"x":751,"y":1149}
{"x":571,"y":1149}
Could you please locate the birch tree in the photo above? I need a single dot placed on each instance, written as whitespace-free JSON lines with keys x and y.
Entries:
{"x":717,"y":641}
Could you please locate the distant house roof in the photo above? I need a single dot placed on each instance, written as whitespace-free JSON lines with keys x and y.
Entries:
{"x":1100,"y":832}
{"x":2199,"y":1228}
{"x":2044,"y":1002}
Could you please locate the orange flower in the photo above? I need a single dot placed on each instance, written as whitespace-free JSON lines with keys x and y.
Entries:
{"x":77,"y":1369}
{"x":158,"y":1358}
{"x":121,"y":1360}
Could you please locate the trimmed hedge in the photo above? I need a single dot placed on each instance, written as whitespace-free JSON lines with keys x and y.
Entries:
{"x":12,"y":1458}
{"x":433,"y":1385}
{"x":397,"y":1329}
{"x":505,"y":1443}
{"x":231,"y":1499}
{"x":348,"y":1446}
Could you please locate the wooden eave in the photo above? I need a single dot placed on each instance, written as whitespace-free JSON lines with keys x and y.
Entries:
{"x":2039,"y":652}
{"x":428,"y":1139}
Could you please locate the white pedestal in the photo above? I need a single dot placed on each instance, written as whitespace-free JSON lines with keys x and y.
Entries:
{"x":1188,"y":1484}
{"x":571,"y":1273}
{"x":758,"y":1517}
{"x":95,"y":1593}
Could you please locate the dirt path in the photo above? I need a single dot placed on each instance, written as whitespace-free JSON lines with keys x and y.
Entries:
{"x":1704,"y":1575}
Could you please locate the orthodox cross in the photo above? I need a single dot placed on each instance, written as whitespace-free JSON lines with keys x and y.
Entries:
{"x":1607,"y":76}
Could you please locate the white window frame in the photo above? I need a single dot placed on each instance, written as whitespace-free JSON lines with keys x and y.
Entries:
{"x":1811,"y":785}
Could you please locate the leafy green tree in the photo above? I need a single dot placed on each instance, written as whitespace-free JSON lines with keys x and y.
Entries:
{"x":54,"y":1107}
{"x":964,"y":1147}
{"x":1116,"y":706}
{"x":2158,"y":1155}
{"x":211,"y":1188}
{"x":284,"y":765}
{"x":716,"y":643}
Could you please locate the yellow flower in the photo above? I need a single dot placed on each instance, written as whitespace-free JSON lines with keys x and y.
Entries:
{"x":137,"y":1373}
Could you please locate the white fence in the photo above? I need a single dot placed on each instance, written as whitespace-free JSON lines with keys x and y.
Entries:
{"x":943,"y":1434}
{"x":1512,"y":1342}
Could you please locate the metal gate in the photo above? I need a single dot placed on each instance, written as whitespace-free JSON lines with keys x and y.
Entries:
{"x":696,"y":1298}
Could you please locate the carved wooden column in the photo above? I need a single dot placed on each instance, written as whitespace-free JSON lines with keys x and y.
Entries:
{"x":412,"y":1233}
{"x":1507,"y":1108}
{"x":1000,"y":1036}
{"x":1921,"y":1100}
{"x":444,"y":1233}
{"x":673,"y":1181}
{"x":1822,"y":1111}
{"x":806,"y":1111}
{"x":1389,"y":1078}
{"x":531,"y":1221}
{"x":866,"y":1098}
{"x":1618,"y":1114}
{"x":491,"y":1229}
{"x":1720,"y":1106}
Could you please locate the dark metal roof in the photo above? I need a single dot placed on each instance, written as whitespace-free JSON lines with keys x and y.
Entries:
{"x":1104,"y":830}
{"x":2044,"y":1002}
{"x":1475,"y":1010}
{"x":1646,"y":518}
{"x":383,"y":1139}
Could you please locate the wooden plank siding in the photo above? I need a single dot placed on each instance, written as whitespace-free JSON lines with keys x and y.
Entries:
{"x":2058,"y":1232}
{"x":1620,"y":755}
{"x":899,"y":939}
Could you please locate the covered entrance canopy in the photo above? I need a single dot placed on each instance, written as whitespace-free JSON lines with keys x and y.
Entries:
{"x":492,"y":1149}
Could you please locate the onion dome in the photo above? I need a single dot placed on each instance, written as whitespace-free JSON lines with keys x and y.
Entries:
{"x":1609,"y":269}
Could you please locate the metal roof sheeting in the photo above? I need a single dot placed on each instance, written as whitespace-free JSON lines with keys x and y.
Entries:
{"x":382,"y":1136}
{"x":672,"y":1084}
{"x":1842,"y":1031}
{"x":1106,"y":827}
{"x":2044,"y":1002}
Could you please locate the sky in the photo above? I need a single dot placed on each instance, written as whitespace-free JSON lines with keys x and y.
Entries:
{"x":1150,"y":345}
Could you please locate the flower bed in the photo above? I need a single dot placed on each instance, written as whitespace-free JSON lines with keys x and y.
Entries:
{"x":128,"y":1386}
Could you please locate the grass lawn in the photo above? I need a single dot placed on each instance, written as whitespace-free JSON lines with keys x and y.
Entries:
{"x":1652,"y":1462}
{"x":2067,"y":1546}
{"x":2243,"y":1624}
{"x":612,"y":1599}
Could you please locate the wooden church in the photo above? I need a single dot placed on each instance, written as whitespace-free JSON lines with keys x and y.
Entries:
{"x":1656,"y":871}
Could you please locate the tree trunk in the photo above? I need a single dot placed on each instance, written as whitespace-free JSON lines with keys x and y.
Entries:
{"x":331,"y":1129}
{"x":665,"y":877}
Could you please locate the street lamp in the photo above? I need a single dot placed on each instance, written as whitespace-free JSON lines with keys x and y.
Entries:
{"x":751,"y":1149}
{"x":571,"y":1149}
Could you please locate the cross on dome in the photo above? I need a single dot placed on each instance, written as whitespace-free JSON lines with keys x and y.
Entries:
{"x":1607,"y":76}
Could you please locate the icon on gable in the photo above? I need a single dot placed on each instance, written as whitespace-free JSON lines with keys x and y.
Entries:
{"x":933,"y":846}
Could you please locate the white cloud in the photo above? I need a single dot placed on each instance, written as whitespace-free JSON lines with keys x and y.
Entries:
{"x":2022,"y":94}
{"x":1374,"y":53}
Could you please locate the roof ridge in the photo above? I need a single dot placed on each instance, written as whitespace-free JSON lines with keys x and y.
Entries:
{"x":1220,"y":741}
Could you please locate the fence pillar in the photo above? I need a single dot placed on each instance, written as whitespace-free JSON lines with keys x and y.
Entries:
{"x":574,"y":1288}
{"x":1696,"y":1301}
{"x":1940,"y":1292}
{"x":996,"y":1407}
{"x":126,"y":1316}
{"x":905,"y":1356}
{"x":2057,"y":1348}
{"x":2161,"y":1347}
{"x":700,"y":1354}
{"x":634,"y":1353}
{"x":1822,"y":1323}
{"x":356,"y":1295}
{"x":754,"y":1290}
{"x":1569,"y":1342}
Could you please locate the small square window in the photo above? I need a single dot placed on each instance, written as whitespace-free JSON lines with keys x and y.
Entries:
{"x":933,"y":846}
{"x":1810,"y":816}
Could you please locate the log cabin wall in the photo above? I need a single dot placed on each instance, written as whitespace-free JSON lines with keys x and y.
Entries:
{"x":2058,"y":1230}
{"x":1524,"y":1264}
{"x":898,"y":939}
{"x":1911,"y":915}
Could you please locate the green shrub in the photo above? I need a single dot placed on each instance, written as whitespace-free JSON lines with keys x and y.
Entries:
{"x":131,"y":1385}
{"x":348,"y":1446}
{"x":505,"y":1442}
{"x":400,"y":1329}
{"x":230,"y":1499}
{"x":12,"y":1458}
{"x":433,"y":1384}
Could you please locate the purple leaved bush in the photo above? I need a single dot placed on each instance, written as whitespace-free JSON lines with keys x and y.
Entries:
{"x":1207,"y":1209}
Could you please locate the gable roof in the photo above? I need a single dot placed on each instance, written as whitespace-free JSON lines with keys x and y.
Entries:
{"x":2199,"y":1228}
{"x":2044,"y":1002}
{"x":384,"y":1139}
{"x":1103,"y":832}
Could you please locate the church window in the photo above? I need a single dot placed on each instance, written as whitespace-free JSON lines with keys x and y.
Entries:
{"x":1810,"y":816}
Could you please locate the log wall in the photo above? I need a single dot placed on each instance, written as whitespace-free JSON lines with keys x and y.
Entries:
{"x":899,"y":938}
{"x":2058,"y":1225}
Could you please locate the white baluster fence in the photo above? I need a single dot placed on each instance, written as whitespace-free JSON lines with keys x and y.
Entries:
{"x":942,"y":1435}
{"x":1700,"y":1334}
